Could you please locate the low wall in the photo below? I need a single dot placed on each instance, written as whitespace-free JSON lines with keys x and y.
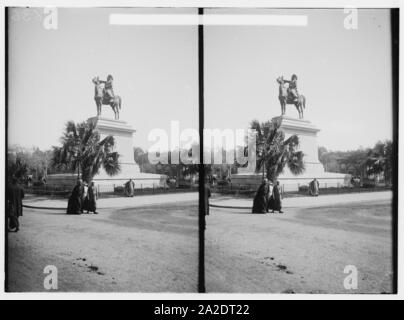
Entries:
{"x":326,"y":180}
{"x":143,"y":181}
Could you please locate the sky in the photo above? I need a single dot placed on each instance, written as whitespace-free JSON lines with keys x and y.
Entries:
{"x":154,"y":69}
{"x":344,"y":74}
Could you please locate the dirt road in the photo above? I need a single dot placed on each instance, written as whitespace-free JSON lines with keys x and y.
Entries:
{"x":304,"y":250}
{"x":143,"y":249}
{"x":154,"y":248}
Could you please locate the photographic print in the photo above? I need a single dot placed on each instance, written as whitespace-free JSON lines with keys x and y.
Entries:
{"x":201,"y":150}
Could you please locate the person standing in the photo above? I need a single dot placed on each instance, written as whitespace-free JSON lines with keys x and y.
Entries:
{"x":92,"y":198}
{"x":15,"y":194}
{"x":74,"y":205}
{"x":277,"y":205}
{"x":208,"y":194}
{"x":84,"y":197}
{"x":130,"y":188}
{"x":260,"y":204}
{"x":314,"y":187}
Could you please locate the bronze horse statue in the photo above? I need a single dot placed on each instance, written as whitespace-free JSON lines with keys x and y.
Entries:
{"x":101,"y":99}
{"x":285,"y":98}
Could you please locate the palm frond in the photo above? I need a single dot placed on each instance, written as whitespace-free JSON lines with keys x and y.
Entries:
{"x":81,"y":148}
{"x":295,"y":163}
{"x":111,"y":164}
{"x":274,"y":152}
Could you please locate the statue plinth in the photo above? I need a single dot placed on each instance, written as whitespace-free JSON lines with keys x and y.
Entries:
{"x":123,"y":135}
{"x":307,"y":133}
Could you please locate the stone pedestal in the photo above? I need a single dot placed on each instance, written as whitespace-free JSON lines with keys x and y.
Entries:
{"x":307,"y":133}
{"x":123,"y":134}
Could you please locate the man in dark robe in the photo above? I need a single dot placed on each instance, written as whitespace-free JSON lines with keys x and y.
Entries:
{"x":15,"y":194}
{"x":277,"y":203}
{"x":129,"y":188}
{"x":314,"y":187}
{"x":74,"y":205}
{"x":92,"y":198}
{"x":260,"y":204}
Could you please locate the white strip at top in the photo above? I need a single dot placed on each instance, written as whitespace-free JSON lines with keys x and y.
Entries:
{"x":207,"y":19}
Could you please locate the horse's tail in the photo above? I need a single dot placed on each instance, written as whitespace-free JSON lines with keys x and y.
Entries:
{"x":120,"y":102}
{"x":304,"y":102}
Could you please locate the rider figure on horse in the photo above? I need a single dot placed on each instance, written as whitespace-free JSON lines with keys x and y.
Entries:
{"x":293,"y":88}
{"x":108,"y":90}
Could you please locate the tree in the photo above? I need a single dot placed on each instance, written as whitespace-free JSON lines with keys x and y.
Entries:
{"x":354,"y":162}
{"x":35,"y":160}
{"x":83,"y":151}
{"x":274,"y":152}
{"x":16,"y":167}
{"x":360,"y":162}
{"x":39,"y":162}
{"x":379,"y":159}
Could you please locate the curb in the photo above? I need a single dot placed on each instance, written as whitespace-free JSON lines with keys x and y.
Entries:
{"x":46,"y":208}
{"x":228,"y":207}
{"x":58,"y":208}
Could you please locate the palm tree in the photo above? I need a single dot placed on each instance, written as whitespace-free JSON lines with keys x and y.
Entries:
{"x":83,"y":151}
{"x":274,"y":152}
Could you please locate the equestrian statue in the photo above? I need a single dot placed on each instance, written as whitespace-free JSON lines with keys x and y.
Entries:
{"x":289,"y":95}
{"x":104,"y":95}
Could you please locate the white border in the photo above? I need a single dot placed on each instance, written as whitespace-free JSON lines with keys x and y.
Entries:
{"x":191,"y":3}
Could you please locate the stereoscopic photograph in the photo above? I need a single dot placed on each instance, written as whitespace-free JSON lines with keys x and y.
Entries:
{"x":186,"y":150}
{"x":88,"y":97}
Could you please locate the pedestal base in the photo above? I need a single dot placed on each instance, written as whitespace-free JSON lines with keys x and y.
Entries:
{"x":123,"y":134}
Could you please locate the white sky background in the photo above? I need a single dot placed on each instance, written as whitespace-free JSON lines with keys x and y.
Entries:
{"x":344,"y":74}
{"x":155,"y":70}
